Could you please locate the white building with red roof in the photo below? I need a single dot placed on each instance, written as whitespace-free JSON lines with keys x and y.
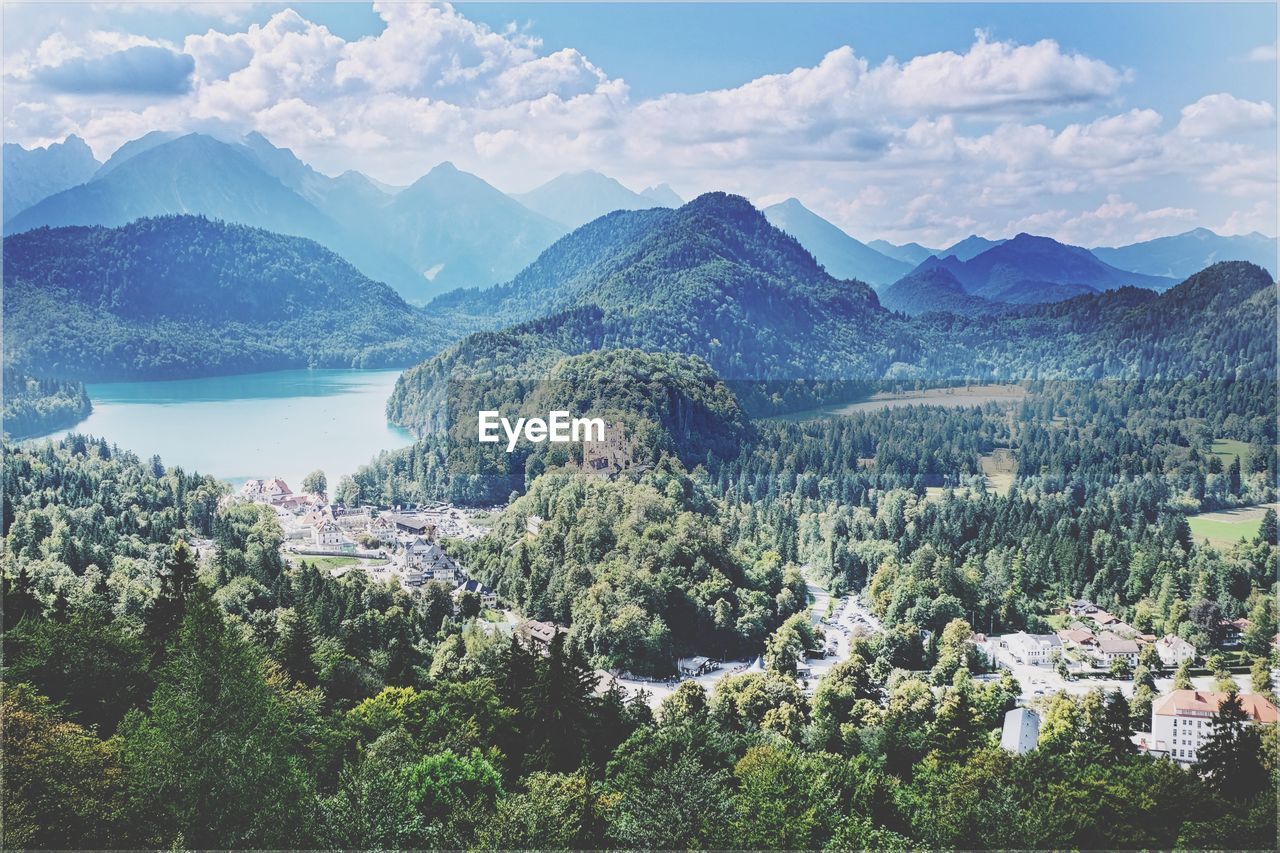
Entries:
{"x":1183,"y":720}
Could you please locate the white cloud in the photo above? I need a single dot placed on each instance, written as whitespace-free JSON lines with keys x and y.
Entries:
{"x":926,"y":148}
{"x":1225,"y":115}
{"x":1262,"y":53}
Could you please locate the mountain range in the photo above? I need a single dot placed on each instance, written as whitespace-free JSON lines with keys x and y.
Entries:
{"x":1184,"y":254}
{"x":451,"y":229}
{"x":715,"y":279}
{"x":447,"y":230}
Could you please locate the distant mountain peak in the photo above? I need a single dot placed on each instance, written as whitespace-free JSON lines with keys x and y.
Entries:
{"x":663,"y":194}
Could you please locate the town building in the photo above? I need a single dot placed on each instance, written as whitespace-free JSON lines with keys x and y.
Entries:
{"x":327,"y":534}
{"x":1034,"y":649}
{"x":696,"y":665}
{"x":1182,"y":721}
{"x":1173,"y":650}
{"x":538,"y":635}
{"x":1021,"y":731}
{"x":1112,"y":647}
{"x":488,"y":598}
{"x":414,"y":525}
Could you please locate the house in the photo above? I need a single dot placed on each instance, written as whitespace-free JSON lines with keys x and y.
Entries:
{"x":1021,"y":731}
{"x":1078,"y":638}
{"x":538,"y":635}
{"x":1174,"y":650}
{"x":276,"y":490}
{"x":1033,"y":649}
{"x":1232,"y":630}
{"x":488,"y":598}
{"x":252,"y":490}
{"x":383,"y":528}
{"x":327,"y":534}
{"x":427,"y":557}
{"x":1184,"y":719}
{"x":1103,"y":618}
{"x":696,"y":665}
{"x":1081,"y":607}
{"x":533,"y":525}
{"x":1112,"y":647}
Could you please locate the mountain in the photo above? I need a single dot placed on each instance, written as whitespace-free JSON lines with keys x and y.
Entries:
{"x":842,"y":255}
{"x":712,"y":278}
{"x":934,"y":288}
{"x":197,"y":174}
{"x":663,"y":195}
{"x":576,"y":198}
{"x":457,"y":230}
{"x":182,"y":296}
{"x":968,"y":248}
{"x":1029,"y":269}
{"x":1183,"y":254}
{"x":32,"y":174}
{"x":134,"y":147}
{"x":909,"y":253}
{"x":449,"y":229}
{"x":715,"y":279}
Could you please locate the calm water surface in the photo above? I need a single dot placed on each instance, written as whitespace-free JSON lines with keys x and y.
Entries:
{"x":281,"y":424}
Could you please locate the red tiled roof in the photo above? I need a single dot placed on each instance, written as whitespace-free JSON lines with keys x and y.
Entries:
{"x":1259,"y":708}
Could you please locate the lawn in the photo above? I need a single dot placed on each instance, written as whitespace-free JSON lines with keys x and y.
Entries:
{"x":1224,"y":528}
{"x":1229,"y":449}
{"x":334,"y":562}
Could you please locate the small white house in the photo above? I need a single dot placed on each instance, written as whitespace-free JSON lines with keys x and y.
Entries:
{"x":1173,"y":650}
{"x":1021,"y":731}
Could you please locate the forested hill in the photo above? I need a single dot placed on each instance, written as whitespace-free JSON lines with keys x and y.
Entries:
{"x":1218,"y":324}
{"x":712,"y":279}
{"x":181,"y":296}
{"x":716,"y":252}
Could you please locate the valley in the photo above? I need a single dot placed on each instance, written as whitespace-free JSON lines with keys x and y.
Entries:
{"x":865,"y":512}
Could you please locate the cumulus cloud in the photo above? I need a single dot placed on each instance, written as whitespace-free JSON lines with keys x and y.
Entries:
{"x":1224,"y":115}
{"x":923,"y":148}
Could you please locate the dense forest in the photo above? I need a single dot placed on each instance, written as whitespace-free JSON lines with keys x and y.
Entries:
{"x":37,"y":406}
{"x":171,"y":681}
{"x":181,"y":296}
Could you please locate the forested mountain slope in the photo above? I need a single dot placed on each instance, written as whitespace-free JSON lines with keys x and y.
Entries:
{"x":186,"y":296}
{"x":715,"y":279}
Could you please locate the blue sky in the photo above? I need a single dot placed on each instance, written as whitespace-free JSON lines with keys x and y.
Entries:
{"x":1094,"y":123}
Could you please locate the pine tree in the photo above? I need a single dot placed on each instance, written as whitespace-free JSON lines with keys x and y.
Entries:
{"x":296,"y":647}
{"x":1230,"y":760}
{"x":166,"y":612}
{"x":1267,"y":530}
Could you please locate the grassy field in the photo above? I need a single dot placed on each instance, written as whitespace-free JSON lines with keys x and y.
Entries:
{"x":335,"y":562}
{"x":1000,"y":467}
{"x":1229,"y":448}
{"x":1224,"y":528}
{"x":974,"y":395}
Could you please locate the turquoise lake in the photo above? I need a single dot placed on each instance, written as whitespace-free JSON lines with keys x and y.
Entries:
{"x":281,"y":424}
